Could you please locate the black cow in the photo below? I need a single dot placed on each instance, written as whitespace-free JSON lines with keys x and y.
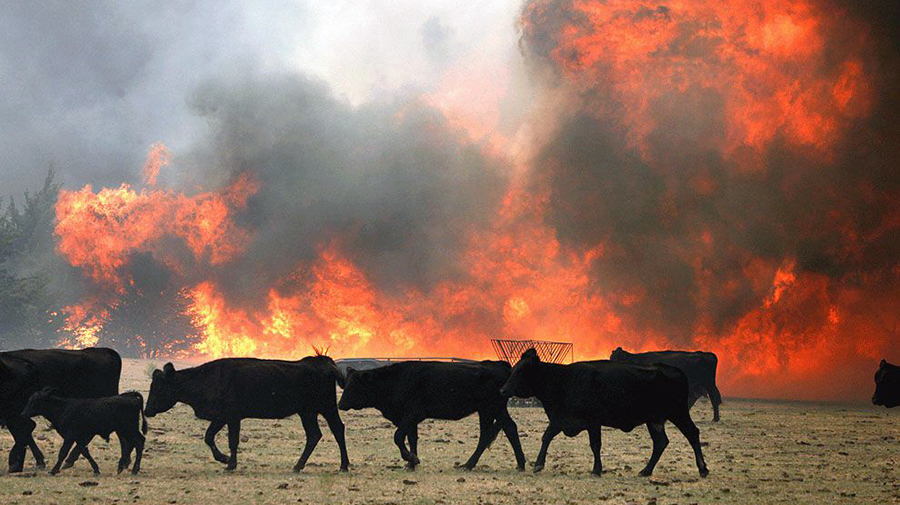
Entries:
{"x":887,"y":385}
{"x":699,"y":366}
{"x":88,"y":373}
{"x":79,"y":420}
{"x":409,"y":392}
{"x":225,"y":391}
{"x":588,"y":395}
{"x":18,"y":380}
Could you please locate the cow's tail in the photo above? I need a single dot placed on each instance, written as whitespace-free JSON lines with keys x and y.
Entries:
{"x":714,"y":396}
{"x":338,"y":375}
{"x":140,"y":398}
{"x":143,"y":422}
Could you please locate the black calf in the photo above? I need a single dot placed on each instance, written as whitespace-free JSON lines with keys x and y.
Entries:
{"x":79,"y":420}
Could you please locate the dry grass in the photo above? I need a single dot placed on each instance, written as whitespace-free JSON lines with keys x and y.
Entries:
{"x":762,"y":452}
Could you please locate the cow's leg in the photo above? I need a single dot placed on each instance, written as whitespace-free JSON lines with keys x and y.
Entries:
{"x":400,"y":441}
{"x":210,"y":439}
{"x":337,"y":429}
{"x":512,"y":434}
{"x":126,"y":445}
{"x":594,"y":438}
{"x":63,"y":452}
{"x":36,"y":452}
{"x":83,"y":449}
{"x":137,"y":441}
{"x":313,"y":435}
{"x":715,"y":398}
{"x":686,"y":426}
{"x":72,"y":458}
{"x":16,"y":453}
{"x":693,"y":396}
{"x":551,"y":431}
{"x":21,"y":429}
{"x":412,"y":436}
{"x":234,"y":438}
{"x":488,"y":429}
{"x":660,"y":441}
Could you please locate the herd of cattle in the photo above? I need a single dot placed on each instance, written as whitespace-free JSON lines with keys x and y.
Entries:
{"x":78,"y":392}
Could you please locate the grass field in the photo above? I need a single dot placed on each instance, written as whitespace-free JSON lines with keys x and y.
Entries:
{"x":761,"y":452}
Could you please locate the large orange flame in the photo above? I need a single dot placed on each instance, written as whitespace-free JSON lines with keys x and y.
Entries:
{"x":771,"y":62}
{"x":768,"y":61}
{"x":158,"y":157}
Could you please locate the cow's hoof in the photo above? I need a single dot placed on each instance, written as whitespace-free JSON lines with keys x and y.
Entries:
{"x":645,"y":473}
{"x":230,"y":467}
{"x":298,"y":468}
{"x":96,"y":472}
{"x":538,"y":468}
{"x":221,"y":459}
{"x":467,"y":467}
{"x":520,"y":467}
{"x":40,"y":465}
{"x":68,"y":464}
{"x":53,"y":472}
{"x":135,"y":471}
{"x":345,"y":469}
{"x":704,"y":472}
{"x":596,"y":473}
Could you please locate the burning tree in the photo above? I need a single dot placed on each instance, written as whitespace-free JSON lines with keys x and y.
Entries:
{"x":150,"y":318}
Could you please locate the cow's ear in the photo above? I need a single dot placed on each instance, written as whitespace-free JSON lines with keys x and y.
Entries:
{"x":883,"y":363}
{"x":169,"y":369}
{"x":157,"y":373}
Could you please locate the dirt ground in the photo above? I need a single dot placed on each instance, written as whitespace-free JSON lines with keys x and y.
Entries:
{"x":761,"y":452}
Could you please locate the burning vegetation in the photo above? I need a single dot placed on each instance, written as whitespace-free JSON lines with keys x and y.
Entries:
{"x":697,"y":175}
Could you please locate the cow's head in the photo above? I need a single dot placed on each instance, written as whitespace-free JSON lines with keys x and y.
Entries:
{"x":39,"y":402}
{"x":887,"y":385}
{"x":619,"y":353}
{"x":360,"y":390}
{"x":521,"y":381}
{"x":163,"y":392}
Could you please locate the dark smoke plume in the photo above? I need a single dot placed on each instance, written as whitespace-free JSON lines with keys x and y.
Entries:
{"x":392,"y":181}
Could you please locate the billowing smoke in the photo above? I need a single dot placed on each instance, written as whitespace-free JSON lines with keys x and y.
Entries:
{"x":392,"y":182}
{"x":646,"y":174}
{"x":718,"y":153}
{"x":266,"y":166}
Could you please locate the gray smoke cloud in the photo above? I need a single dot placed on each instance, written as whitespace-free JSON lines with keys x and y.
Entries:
{"x":87,"y":86}
{"x":392,"y":181}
